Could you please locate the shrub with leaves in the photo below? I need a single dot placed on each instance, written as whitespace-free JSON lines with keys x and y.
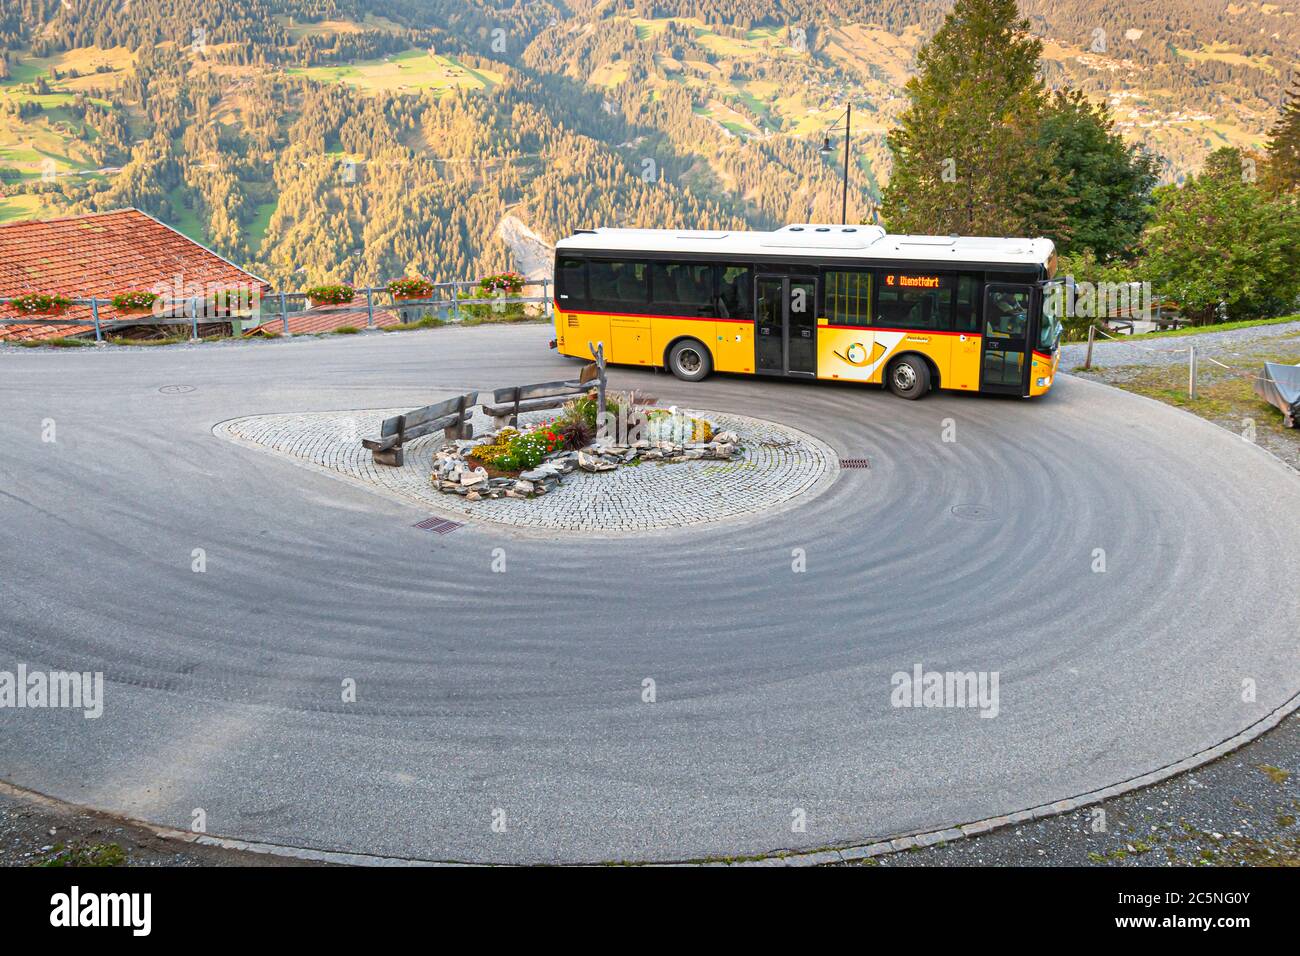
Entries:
{"x":527,"y":450}
{"x":491,"y":452}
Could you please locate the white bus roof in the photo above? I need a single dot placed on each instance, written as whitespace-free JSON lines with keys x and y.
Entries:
{"x":815,"y":241}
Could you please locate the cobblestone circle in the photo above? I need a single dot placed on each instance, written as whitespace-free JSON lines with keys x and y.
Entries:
{"x":779,"y":464}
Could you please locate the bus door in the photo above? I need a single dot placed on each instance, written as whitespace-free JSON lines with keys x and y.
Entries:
{"x":785,"y":325}
{"x":1004,"y":367}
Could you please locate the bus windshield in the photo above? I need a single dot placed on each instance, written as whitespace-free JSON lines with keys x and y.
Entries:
{"x":1049,"y":324}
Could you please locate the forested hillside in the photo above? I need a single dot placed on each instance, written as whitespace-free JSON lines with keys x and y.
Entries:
{"x":316,"y":140}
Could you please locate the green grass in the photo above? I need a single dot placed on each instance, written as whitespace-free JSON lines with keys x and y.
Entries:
{"x":502,"y":320}
{"x":1276,"y":774}
{"x":261,"y":220}
{"x":167,"y":340}
{"x":411,"y":69}
{"x":428,"y":322}
{"x":185,"y":221}
{"x":346,"y":330}
{"x":1203,"y":329}
{"x":60,"y":343}
{"x":98,"y":854}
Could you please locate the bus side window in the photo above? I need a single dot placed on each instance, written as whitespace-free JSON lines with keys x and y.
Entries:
{"x":682,"y":288}
{"x":619,"y":284}
{"x":735,"y":299}
{"x":848,"y":298}
{"x":903,"y":307}
{"x":571,"y":281}
{"x":966,"y":317}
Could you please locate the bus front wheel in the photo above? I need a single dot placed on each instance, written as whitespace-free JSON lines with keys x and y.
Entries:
{"x":909,"y":377}
{"x":690,"y":361}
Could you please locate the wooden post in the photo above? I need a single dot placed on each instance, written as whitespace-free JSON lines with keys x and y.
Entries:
{"x":548,"y":307}
{"x":370,"y":308}
{"x":1092,"y":337}
{"x":194,"y":318}
{"x":455,"y":307}
{"x":94,"y":313}
{"x":598,"y":353}
{"x":284,"y":312}
{"x":1191,"y":373}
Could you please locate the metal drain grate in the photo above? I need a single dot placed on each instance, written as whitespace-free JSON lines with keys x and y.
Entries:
{"x":855,"y":462}
{"x":440,"y":525}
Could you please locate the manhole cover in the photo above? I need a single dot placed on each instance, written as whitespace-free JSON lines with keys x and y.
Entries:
{"x":176,"y":389}
{"x":974,"y":512}
{"x":440,"y":525}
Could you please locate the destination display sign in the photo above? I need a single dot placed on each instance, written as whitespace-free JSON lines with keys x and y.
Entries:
{"x":901,"y":280}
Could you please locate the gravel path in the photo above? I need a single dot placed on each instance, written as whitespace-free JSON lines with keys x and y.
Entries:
{"x":1171,"y":350}
{"x":1238,"y":811}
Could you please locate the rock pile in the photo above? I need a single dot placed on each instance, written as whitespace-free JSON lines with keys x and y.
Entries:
{"x":452,"y":474}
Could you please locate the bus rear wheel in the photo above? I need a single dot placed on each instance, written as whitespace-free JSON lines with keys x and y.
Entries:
{"x":690,"y":361}
{"x":909,"y":377}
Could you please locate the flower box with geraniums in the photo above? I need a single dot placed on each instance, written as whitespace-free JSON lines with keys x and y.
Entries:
{"x":331,"y":294}
{"x":511,"y":283}
{"x":499,"y":287}
{"x":410,"y":287}
{"x":231,"y":304}
{"x":134,"y":303}
{"x":40,"y":303}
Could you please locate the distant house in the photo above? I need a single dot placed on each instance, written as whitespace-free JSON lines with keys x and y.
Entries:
{"x":105,"y":254}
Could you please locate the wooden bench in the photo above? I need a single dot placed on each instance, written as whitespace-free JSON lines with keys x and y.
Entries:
{"x":507,"y":403}
{"x":451,"y":416}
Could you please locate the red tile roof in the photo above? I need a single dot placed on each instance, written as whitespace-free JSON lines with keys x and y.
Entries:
{"x":324,"y":318}
{"x":102,"y":255}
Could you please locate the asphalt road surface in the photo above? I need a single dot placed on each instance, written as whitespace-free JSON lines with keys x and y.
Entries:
{"x":517,"y":698}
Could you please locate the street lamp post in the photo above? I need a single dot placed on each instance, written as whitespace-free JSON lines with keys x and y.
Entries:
{"x":826,"y":149}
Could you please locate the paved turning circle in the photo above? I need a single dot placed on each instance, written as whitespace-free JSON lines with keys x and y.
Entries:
{"x":676,"y":694}
{"x":779,"y":465}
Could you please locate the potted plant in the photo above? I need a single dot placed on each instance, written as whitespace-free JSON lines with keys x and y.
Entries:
{"x":134,"y":303}
{"x":331,"y":294}
{"x":511,"y":283}
{"x":228,"y":303}
{"x":40,"y":303}
{"x":410,"y":287}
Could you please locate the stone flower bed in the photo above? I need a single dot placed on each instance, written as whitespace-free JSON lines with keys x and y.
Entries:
{"x":455,"y":470}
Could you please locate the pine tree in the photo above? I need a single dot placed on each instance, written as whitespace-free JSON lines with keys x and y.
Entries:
{"x":1282,"y":168}
{"x":1109,"y":181}
{"x":967,"y":153}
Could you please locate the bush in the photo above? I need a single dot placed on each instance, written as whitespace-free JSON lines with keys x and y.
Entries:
{"x":500,"y":445}
{"x":527,"y":450}
{"x":575,"y":433}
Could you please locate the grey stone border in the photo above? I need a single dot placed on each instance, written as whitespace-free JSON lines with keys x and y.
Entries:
{"x":781,"y":468}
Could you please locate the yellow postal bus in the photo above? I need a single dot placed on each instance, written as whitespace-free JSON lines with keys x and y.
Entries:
{"x":813,"y":301}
